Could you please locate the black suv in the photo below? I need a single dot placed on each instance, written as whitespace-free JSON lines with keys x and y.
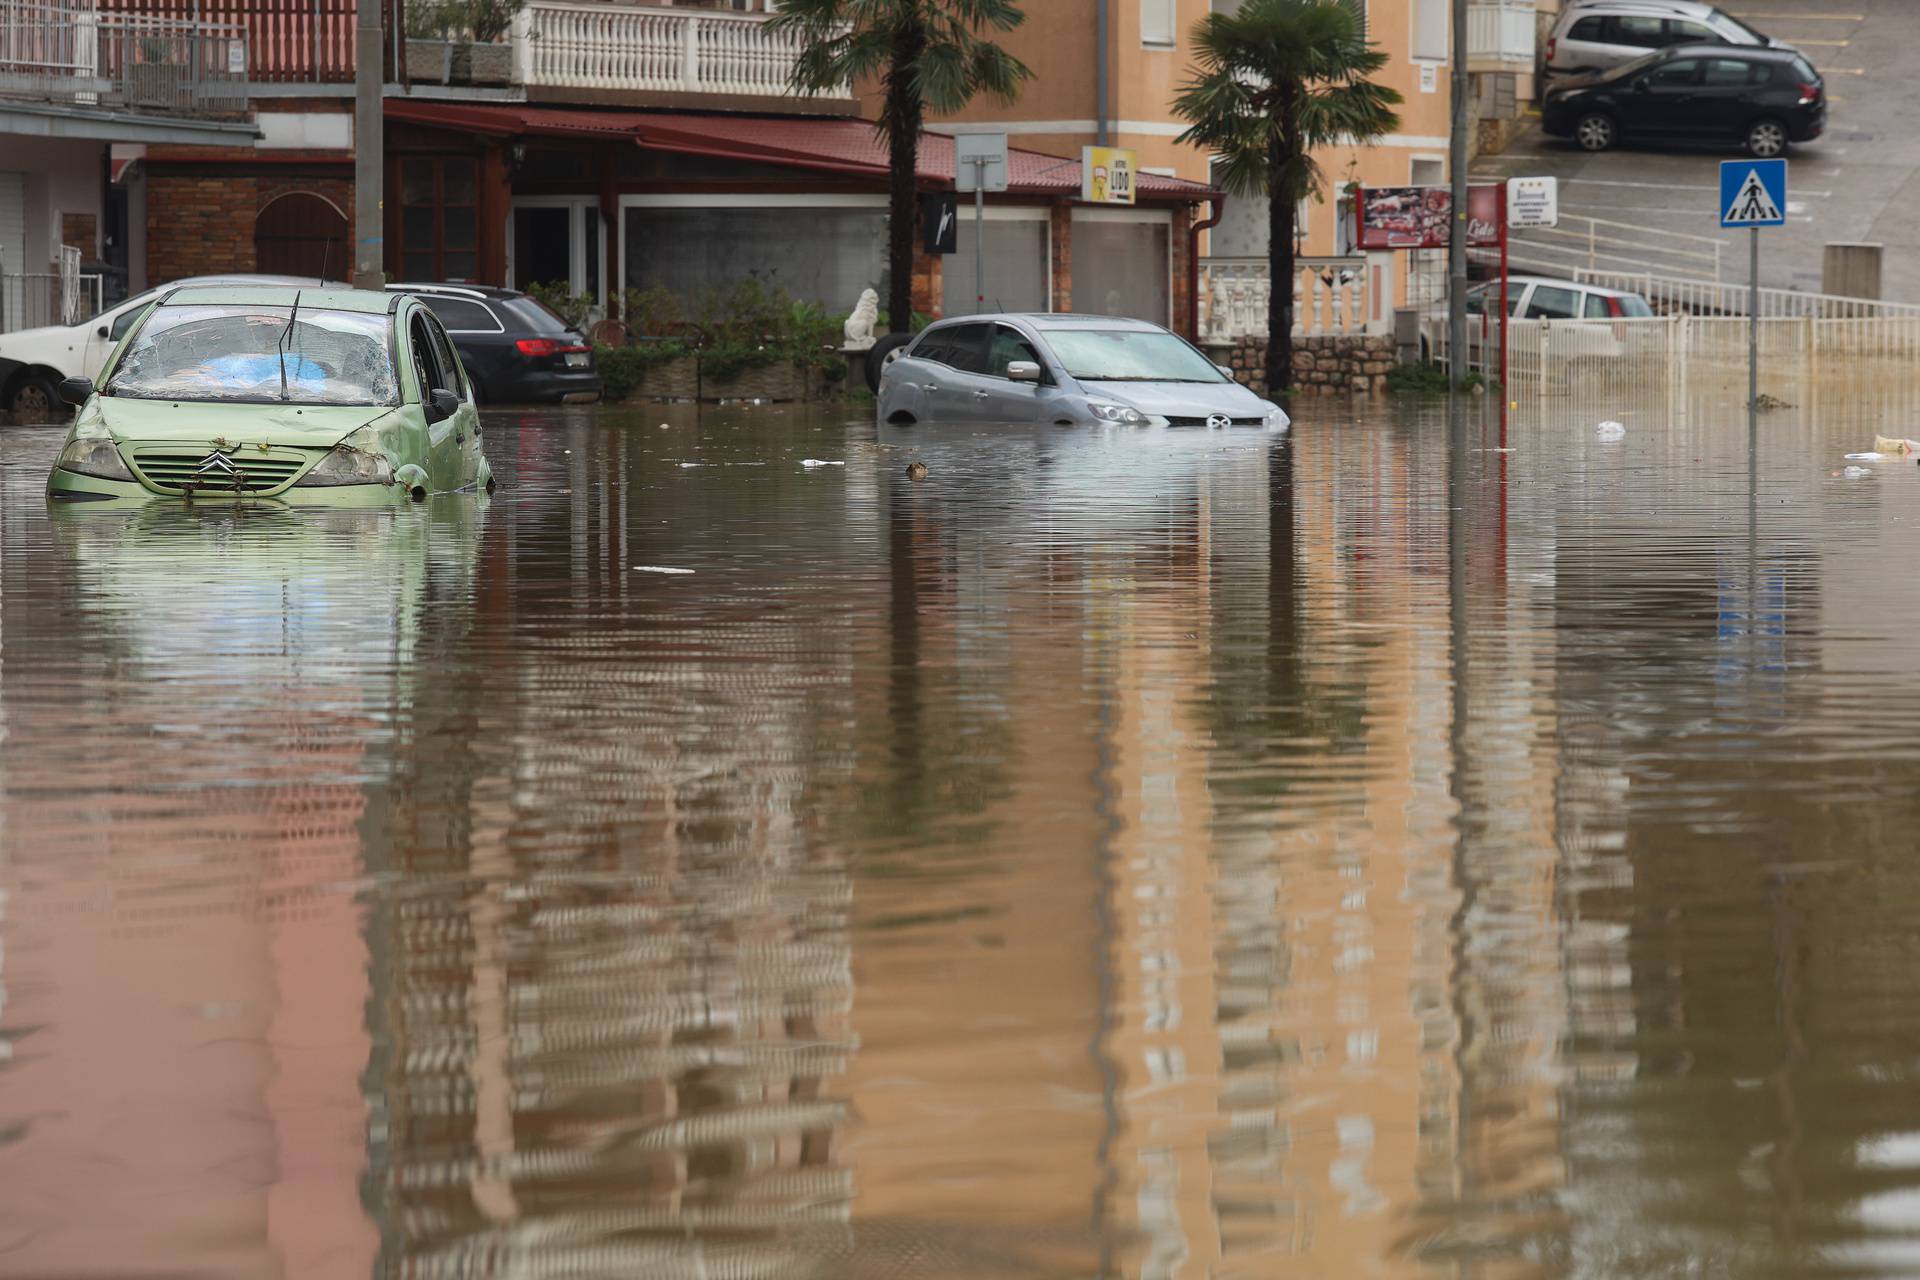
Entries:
{"x":1762,"y":99}
{"x":514,"y":349}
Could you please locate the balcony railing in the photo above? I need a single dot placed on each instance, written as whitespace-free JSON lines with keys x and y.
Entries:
{"x":1501,"y":34}
{"x":1329,"y":297}
{"x":76,"y":55}
{"x":615,"y":47}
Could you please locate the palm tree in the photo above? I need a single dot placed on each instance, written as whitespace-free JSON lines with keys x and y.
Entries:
{"x":1277,"y":81}
{"x":929,"y":54}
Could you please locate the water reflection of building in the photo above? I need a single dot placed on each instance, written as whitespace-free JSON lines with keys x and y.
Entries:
{"x":185,"y":985}
{"x":613,"y":972}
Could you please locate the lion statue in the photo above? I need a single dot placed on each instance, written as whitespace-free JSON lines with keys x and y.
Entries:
{"x":859,"y":327}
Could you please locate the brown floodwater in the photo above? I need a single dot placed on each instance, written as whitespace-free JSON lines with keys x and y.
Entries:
{"x":1402,"y":848}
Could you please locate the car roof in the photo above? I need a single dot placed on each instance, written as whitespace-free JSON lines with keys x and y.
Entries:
{"x":331,"y":298}
{"x":1686,"y":8}
{"x":480,"y":292}
{"x":1559,"y":282}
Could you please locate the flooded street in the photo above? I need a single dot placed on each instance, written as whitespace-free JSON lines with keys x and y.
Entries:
{"x":1132,"y":854}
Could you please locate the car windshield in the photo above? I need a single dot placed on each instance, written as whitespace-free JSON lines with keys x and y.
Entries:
{"x":1734,"y":29}
{"x":237,"y":352}
{"x":1129,"y":355}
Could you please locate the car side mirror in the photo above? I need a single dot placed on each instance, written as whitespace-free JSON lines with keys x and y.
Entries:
{"x":1226,"y":371}
{"x":76,"y":390}
{"x":1023,"y":371}
{"x":443,"y":403}
{"x":102,"y":332}
{"x":1643,"y":86}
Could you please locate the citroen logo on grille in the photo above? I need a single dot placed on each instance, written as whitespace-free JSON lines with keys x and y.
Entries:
{"x":217,"y":466}
{"x":1219,"y":421}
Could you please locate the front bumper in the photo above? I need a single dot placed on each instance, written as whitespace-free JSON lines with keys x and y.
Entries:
{"x":71,"y":486}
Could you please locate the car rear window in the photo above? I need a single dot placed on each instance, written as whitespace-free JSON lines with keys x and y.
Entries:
{"x":1587,"y":29}
{"x":460,"y":314}
{"x":1632,"y":304}
{"x":533,"y":315}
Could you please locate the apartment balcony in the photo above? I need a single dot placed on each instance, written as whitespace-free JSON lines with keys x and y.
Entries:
{"x":78,"y":56}
{"x":1501,"y":35}
{"x":659,"y":56}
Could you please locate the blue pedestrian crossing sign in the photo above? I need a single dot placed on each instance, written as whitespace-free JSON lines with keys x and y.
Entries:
{"x":1753,"y":193}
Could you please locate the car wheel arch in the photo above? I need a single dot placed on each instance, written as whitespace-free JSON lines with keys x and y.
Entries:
{"x":48,"y":376}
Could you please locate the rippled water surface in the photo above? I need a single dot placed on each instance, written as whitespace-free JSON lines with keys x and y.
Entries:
{"x":1135,"y":855}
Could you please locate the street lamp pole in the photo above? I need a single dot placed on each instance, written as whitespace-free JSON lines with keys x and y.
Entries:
{"x":1457,"y":232}
{"x":369,"y":151}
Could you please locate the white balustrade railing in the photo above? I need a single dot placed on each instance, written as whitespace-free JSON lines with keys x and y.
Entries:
{"x":629,"y":47}
{"x":1502,"y":31}
{"x":1329,"y":297}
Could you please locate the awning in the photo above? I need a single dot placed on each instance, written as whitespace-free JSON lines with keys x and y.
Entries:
{"x":49,"y":120}
{"x":823,"y":144}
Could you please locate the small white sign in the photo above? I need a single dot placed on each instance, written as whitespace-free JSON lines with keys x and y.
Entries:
{"x":236,"y":58}
{"x":1533,"y":202}
{"x":980,"y":160}
{"x":1429,"y":78}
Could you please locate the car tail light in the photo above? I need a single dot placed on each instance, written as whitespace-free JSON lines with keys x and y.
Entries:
{"x":548,"y":347}
{"x":1552,"y":41}
{"x":1809,"y":94}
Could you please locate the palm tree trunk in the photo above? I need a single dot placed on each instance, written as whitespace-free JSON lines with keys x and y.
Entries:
{"x":904,"y":112}
{"x":1280,"y":270}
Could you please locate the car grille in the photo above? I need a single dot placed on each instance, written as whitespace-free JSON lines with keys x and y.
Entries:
{"x":1202,"y":421}
{"x":175,"y":470}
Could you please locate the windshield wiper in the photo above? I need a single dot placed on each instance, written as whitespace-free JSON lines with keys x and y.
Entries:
{"x":281,"y":346}
{"x":1094,"y":377}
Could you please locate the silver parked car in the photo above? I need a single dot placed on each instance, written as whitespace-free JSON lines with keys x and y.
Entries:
{"x":1069,"y":370}
{"x":1595,"y":35}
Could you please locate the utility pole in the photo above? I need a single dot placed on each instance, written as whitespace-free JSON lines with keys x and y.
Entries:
{"x":369,"y":152}
{"x":1457,"y":234}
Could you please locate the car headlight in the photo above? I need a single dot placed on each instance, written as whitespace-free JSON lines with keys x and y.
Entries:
{"x":1124,"y":414}
{"x":349,"y":463}
{"x":1277,"y":419}
{"x":95,"y":456}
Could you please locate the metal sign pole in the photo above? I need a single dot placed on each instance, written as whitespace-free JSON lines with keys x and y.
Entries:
{"x":979,"y":234}
{"x":1753,"y":327}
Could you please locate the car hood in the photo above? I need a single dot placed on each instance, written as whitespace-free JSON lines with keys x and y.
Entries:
{"x":19,"y":340}
{"x":299,"y":426}
{"x":1180,"y":399}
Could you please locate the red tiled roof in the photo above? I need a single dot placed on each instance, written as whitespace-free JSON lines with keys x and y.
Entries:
{"x":822,"y":143}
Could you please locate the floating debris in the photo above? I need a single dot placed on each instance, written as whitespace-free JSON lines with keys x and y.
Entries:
{"x":811,"y":463}
{"x":1610,"y":431}
{"x":658,"y":568}
{"x":916,"y":471}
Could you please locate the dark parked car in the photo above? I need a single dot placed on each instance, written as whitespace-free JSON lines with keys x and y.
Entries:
{"x":1762,"y":99}
{"x":514,"y":349}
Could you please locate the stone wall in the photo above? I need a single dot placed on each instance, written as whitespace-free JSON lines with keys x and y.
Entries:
{"x":1325,"y":365}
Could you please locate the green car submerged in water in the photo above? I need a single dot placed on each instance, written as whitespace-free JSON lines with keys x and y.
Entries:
{"x":336,"y":397}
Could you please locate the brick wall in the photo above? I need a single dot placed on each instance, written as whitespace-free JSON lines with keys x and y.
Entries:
{"x":82,"y":231}
{"x":199,"y":226}
{"x":202,"y":224}
{"x":1325,"y":365}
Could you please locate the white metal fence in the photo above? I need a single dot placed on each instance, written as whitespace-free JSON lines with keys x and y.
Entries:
{"x":605,"y":46}
{"x":1329,"y":297}
{"x":1501,"y":33}
{"x":1581,"y":243}
{"x":1710,"y":298}
{"x":31,"y":299}
{"x":73,"y":53}
{"x":1615,"y":359}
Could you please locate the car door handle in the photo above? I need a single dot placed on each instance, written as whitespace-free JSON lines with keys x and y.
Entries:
{"x":929,"y":386}
{"x":979,"y":395}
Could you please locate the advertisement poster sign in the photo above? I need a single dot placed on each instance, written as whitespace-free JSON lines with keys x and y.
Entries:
{"x":1419,"y":217}
{"x":1106,"y":175}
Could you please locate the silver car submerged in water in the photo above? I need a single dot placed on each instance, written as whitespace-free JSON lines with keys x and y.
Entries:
{"x":1070,"y":370}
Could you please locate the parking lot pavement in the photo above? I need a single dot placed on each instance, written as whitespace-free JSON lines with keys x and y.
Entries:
{"x":1860,"y":182}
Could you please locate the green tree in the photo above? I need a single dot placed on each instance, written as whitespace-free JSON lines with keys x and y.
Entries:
{"x":930,"y":55}
{"x":1277,"y":81}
